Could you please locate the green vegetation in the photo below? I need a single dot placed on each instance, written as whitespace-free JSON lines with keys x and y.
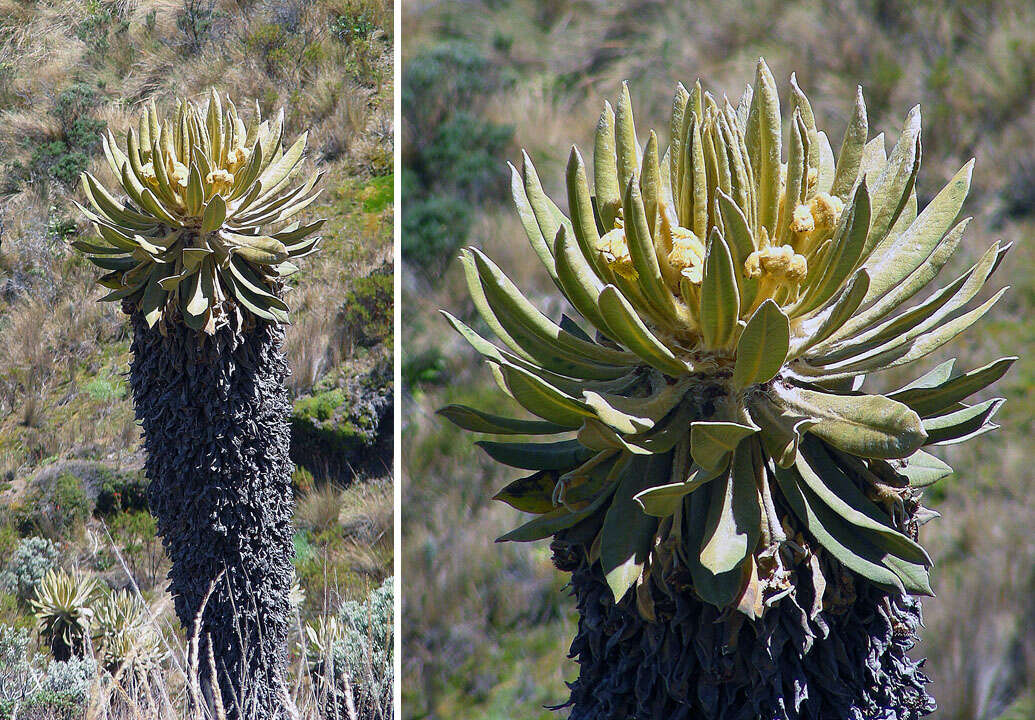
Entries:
{"x":451,"y":149}
{"x":971,"y":75}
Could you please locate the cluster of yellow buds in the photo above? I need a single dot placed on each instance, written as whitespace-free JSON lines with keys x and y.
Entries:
{"x":802,"y":220}
{"x":178,"y":173}
{"x":687,"y":255}
{"x":238,"y":157}
{"x":821,"y":213}
{"x":825,"y":210}
{"x":614,"y":251}
{"x":779,"y":263}
{"x":220,"y":180}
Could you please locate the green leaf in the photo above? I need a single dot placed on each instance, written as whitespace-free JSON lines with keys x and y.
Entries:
{"x":531,"y":494}
{"x":643,"y":254}
{"x":796,"y":175}
{"x":910,"y":286}
{"x":273,"y":176}
{"x":734,"y":518}
{"x":625,"y":538}
{"x":194,"y":197}
{"x":893,"y":260}
{"x":710,"y":442}
{"x":260,"y":249}
{"x":720,"y":296}
{"x":583,"y":220}
{"x":816,"y":329}
{"x":663,"y":500}
{"x":152,"y":302}
{"x":475,"y":420}
{"x":718,"y":590}
{"x":577,"y":280}
{"x":539,"y":244}
{"x":942,"y":396}
{"x":762,"y":138}
{"x":513,"y":309}
{"x":891,"y":188}
{"x":547,"y":215}
{"x":933,"y":378}
{"x":563,"y":518}
{"x":627,"y":148}
{"x":629,"y":330}
{"x":923,"y":469}
{"x":780,"y":429}
{"x":863,"y":425}
{"x":561,"y":455}
{"x":834,"y":534}
{"x":848,"y":160}
{"x":838,"y":492}
{"x":636,"y":414}
{"x":741,"y":243}
{"x":605,"y":170}
{"x":542,"y":399}
{"x":215,"y":214}
{"x":677,"y":134}
{"x":843,"y":255}
{"x":247,"y":278}
{"x":762,"y":347}
{"x":960,"y":425}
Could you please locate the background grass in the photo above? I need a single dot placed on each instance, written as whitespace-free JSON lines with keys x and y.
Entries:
{"x":486,"y":626}
{"x":70,"y":453}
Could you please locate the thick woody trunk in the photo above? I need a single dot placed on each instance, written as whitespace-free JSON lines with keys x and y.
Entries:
{"x":798,"y":662}
{"x":214,"y":412}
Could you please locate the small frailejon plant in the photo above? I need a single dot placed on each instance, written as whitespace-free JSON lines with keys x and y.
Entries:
{"x":739,"y":516}
{"x":127,"y":643}
{"x":197,"y":245}
{"x":63,"y":606}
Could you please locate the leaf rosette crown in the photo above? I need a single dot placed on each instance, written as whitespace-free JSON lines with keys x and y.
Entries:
{"x":202,"y":234}
{"x":734,"y":291}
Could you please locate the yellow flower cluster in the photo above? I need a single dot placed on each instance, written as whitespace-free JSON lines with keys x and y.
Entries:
{"x":778,"y":263}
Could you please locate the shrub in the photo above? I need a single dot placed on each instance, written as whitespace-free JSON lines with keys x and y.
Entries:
{"x":355,"y":650}
{"x":355,"y":23}
{"x":444,"y":91}
{"x":120,"y":491}
{"x":31,"y":560}
{"x":197,"y":23}
{"x":127,"y":644}
{"x":95,"y":28}
{"x":366,"y":313}
{"x":270,"y":42}
{"x":105,"y":389}
{"x":302,"y":481}
{"x":321,"y":406}
{"x":425,"y":368}
{"x":70,"y":679}
{"x":135,"y":534}
{"x":433,"y":227}
{"x":16,"y":673}
{"x":56,"y":507}
{"x":64,"y":158}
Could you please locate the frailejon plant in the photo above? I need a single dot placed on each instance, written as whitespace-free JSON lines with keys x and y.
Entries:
{"x":197,"y":251}
{"x":63,"y":606}
{"x":127,"y":643}
{"x":739,"y":515}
